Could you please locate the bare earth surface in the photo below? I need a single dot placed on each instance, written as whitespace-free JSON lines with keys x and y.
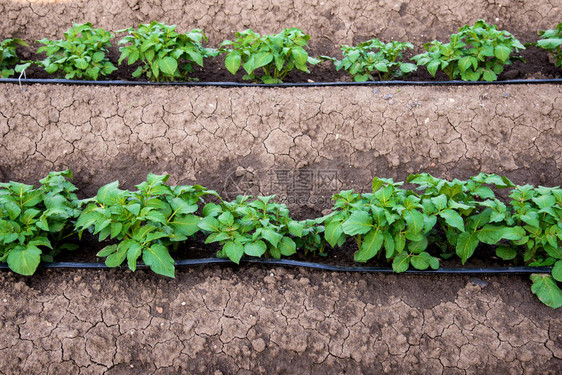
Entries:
{"x":303,"y":144}
{"x":273,"y":320}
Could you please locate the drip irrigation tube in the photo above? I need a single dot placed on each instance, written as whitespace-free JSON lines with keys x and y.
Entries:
{"x":325,"y":267}
{"x":298,"y":84}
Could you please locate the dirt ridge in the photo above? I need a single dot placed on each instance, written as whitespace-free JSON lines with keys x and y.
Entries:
{"x":223,"y":320}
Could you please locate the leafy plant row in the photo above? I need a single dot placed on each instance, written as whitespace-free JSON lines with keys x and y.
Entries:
{"x":391,"y":224}
{"x":477,"y":52}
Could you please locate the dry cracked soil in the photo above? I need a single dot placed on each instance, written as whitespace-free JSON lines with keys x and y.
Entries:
{"x":252,"y":319}
{"x":268,"y":141}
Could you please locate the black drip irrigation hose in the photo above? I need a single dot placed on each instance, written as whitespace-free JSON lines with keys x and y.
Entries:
{"x":298,"y":84}
{"x":318,"y":266}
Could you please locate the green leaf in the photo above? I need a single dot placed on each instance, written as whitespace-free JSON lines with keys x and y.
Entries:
{"x":434,"y":263}
{"x":226,"y":218}
{"x":415,"y":221}
{"x":546,"y":289}
{"x":400,"y":242}
{"x":180,"y":206}
{"x":359,"y":222}
{"x":108,"y":250}
{"x":209,"y":224}
{"x":232,"y":62}
{"x":271,"y":236}
{"x":381,"y":67}
{"x":186,"y":225}
{"x":502,"y":52}
{"x":300,"y":55}
{"x":420,"y":261}
{"x":470,"y":75}
{"x":138,"y":72}
{"x":159,"y":260}
{"x":489,"y":76}
{"x":466,"y":244}
{"x":211,"y":209}
{"x":557,"y":271}
{"x":255,"y":249}
{"x":115,"y":259}
{"x":506,"y":253}
{"x":262,"y":59}
{"x":544,"y":201}
{"x":453,"y":218}
{"x":551,"y":43}
{"x":440,"y":202}
{"x":376,"y":184}
{"x":295,"y":228}
{"x":417,"y":247}
{"x":432,"y":69}
{"x":389,"y":245}
{"x":465,"y":63}
{"x":353,"y":55}
{"x":333,"y":231}
{"x":152,"y":236}
{"x":234,"y":251}
{"x":531,"y":218}
{"x":370,"y":246}
{"x":401,"y":263}
{"x":249,"y":65}
{"x":168,"y":65}
{"x":116,"y":228}
{"x":133,"y":253}
{"x":491,"y":234}
{"x":105,"y":192}
{"x":81,"y":64}
{"x":407,"y":68}
{"x":12,"y":207}
{"x":553,"y":251}
{"x":32,"y":198}
{"x":24,"y":260}
{"x":156,"y":217}
{"x":287,"y":246}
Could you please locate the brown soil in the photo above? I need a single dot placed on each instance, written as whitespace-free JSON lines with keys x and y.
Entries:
{"x":330,"y":23}
{"x":249,"y":319}
{"x":303,"y":144}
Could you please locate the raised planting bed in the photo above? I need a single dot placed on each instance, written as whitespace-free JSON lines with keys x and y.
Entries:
{"x":330,"y":23}
{"x":392,"y":224}
{"x":252,"y":319}
{"x":159,"y":53}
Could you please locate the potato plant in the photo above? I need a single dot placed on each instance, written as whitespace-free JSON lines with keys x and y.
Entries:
{"x":537,"y":214}
{"x":551,"y":40}
{"x":144,"y":222}
{"x":392,"y":224}
{"x":476,"y":52}
{"x":8,"y":56}
{"x":255,"y":228}
{"x":455,"y":216}
{"x":467,"y":212}
{"x":165,"y":55}
{"x":268,"y":58}
{"x":35,"y":223}
{"x":374,"y":57}
{"x":389,"y":218}
{"x":81,"y":54}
